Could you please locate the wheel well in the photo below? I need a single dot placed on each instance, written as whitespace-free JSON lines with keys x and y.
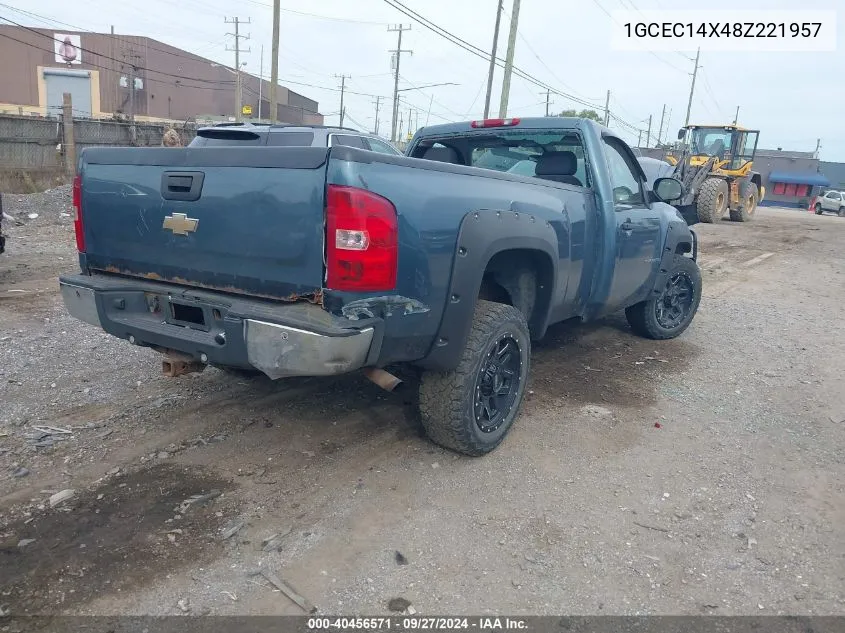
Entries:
{"x":522,"y":278}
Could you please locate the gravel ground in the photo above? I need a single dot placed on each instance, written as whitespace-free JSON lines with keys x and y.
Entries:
{"x":700,"y":475}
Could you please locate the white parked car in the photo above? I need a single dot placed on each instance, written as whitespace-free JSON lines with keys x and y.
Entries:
{"x":831,"y":201}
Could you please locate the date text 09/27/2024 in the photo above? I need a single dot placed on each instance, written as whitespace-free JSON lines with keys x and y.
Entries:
{"x":417,"y":623}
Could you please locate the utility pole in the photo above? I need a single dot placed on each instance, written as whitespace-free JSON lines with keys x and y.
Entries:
{"x":131,"y":56}
{"x":639,"y":138}
{"x":396,"y":59}
{"x":114,"y":70}
{"x":260,"y":81}
{"x":430,"y":103}
{"x":506,"y":82}
{"x":660,"y":131}
{"x":493,"y":60}
{"x":692,"y":87}
{"x":378,"y":106}
{"x":68,"y":141}
{"x":410,"y":112}
{"x":237,"y":50}
{"x":607,"y":110}
{"x":818,"y":147}
{"x":274,"y":64}
{"x":648,"y":134}
{"x":399,"y":135}
{"x":343,"y":79}
{"x":548,"y":102}
{"x":736,"y":116}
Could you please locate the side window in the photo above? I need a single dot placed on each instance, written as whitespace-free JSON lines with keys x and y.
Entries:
{"x":835,"y":196}
{"x":348,"y":140}
{"x":383,"y":148}
{"x":290,"y":139}
{"x":627,"y":189}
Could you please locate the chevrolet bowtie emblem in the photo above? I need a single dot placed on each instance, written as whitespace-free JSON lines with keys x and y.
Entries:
{"x":180,"y":224}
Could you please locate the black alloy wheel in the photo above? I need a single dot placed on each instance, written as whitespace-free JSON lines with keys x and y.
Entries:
{"x":675,"y":303}
{"x":497,"y":385}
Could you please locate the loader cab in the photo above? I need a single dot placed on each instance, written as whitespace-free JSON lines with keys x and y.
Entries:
{"x":733,"y":147}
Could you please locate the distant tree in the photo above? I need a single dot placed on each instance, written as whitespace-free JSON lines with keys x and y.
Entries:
{"x":584,"y":114}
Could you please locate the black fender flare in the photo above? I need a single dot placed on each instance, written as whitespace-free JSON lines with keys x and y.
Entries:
{"x":677,"y":235}
{"x":482,"y":235}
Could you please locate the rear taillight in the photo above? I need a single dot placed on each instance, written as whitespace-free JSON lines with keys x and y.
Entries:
{"x":495,"y":123}
{"x":77,"y":214}
{"x":361,"y":240}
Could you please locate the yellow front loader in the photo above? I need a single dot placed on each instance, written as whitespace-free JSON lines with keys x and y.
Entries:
{"x":715,"y":164}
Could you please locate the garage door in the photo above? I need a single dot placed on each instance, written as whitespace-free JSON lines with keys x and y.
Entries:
{"x":76,"y":82}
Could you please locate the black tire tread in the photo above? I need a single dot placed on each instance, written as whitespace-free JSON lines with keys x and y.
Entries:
{"x":641,"y":315}
{"x":706,"y":203}
{"x":443,"y":394}
{"x":741,"y":213}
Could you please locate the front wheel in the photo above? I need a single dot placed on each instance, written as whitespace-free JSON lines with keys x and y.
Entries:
{"x":669,"y":313}
{"x":712,"y":201}
{"x":819,"y":209}
{"x":841,"y":213}
{"x":471,"y":408}
{"x":748,"y":198}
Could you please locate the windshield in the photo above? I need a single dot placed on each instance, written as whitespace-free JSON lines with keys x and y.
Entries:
{"x":711,"y":141}
{"x":515,"y":151}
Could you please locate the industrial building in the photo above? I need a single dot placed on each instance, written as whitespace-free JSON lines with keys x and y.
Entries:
{"x":112,"y":75}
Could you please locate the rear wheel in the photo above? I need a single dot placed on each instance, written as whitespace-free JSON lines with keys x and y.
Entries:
{"x":712,"y":200}
{"x":668,"y":314}
{"x":471,"y":408}
{"x":748,"y":197}
{"x":819,"y":209}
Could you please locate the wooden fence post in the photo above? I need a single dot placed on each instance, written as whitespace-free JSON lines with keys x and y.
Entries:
{"x":68,"y":143}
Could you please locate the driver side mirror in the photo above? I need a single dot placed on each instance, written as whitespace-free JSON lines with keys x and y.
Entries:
{"x":668,"y":189}
{"x":681,"y":133}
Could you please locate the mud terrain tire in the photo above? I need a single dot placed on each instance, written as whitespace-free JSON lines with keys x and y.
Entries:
{"x":471,"y":408}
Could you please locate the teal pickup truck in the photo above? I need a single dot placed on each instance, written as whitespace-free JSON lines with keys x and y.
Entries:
{"x":313,"y":261}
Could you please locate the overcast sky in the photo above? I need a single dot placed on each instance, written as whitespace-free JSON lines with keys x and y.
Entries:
{"x":793,"y":98}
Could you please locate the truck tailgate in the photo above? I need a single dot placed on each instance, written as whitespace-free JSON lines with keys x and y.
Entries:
{"x":241,"y":220}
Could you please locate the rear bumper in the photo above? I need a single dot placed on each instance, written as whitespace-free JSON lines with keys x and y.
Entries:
{"x":281,"y":340}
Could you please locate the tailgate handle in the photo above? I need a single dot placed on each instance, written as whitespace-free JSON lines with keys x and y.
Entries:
{"x":182,"y":185}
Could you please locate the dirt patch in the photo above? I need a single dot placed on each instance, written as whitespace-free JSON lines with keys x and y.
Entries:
{"x":603,"y":362}
{"x":110,"y":539}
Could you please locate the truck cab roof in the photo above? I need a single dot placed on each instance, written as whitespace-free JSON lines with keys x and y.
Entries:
{"x":501,"y":124}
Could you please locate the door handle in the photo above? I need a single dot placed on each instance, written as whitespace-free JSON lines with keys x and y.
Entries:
{"x":627,"y":226}
{"x":182,"y":185}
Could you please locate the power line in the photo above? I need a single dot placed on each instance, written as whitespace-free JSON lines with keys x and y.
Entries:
{"x":539,"y":59}
{"x":103,"y":56}
{"x":158,"y":81}
{"x":118,"y":38}
{"x":630,"y":4}
{"x":237,"y":50}
{"x":711,"y":92}
{"x":318,"y":16}
{"x":650,"y":52}
{"x":471,"y":48}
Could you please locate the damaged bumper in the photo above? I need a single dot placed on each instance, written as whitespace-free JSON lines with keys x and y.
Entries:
{"x":281,"y":340}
